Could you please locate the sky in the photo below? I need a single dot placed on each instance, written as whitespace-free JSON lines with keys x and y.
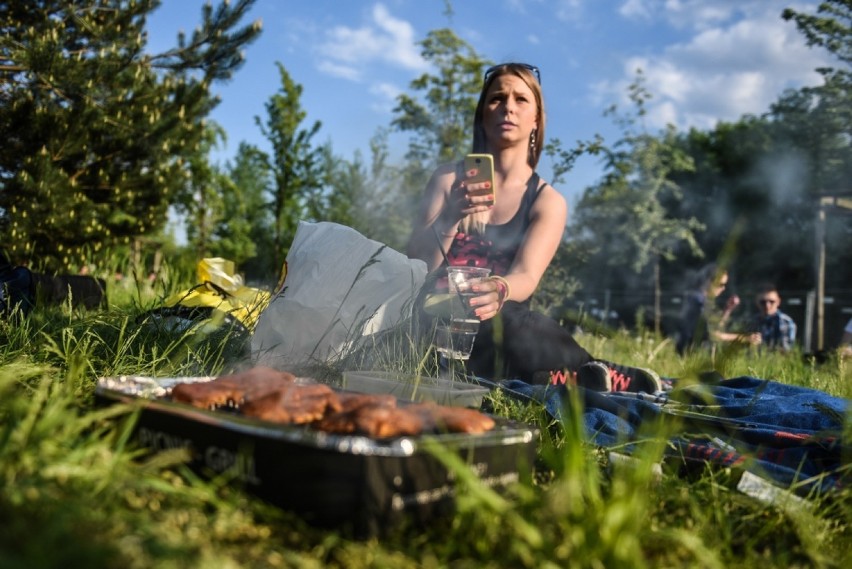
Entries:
{"x":705,"y":61}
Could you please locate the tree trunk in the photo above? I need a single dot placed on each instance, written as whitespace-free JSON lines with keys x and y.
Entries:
{"x":658,"y":312}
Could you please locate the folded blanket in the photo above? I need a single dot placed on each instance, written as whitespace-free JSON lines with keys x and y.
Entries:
{"x":788,"y":434}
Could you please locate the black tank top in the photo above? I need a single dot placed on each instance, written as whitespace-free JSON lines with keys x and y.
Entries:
{"x":496,"y":249}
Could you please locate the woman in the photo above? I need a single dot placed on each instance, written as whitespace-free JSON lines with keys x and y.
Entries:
{"x":846,"y":341}
{"x":516,"y":237}
{"x":701,"y":323}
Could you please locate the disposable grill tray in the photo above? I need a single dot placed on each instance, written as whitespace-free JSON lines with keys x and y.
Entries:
{"x":354,"y":483}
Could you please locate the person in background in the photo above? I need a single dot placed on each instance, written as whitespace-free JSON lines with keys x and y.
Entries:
{"x":777,"y":330}
{"x":846,"y":341}
{"x":516,"y":237}
{"x":17,"y":287}
{"x":701,"y":323}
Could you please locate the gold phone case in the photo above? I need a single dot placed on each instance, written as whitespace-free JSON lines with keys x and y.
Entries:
{"x":484,"y":164}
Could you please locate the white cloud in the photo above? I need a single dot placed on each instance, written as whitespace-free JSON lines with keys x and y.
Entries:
{"x":569,"y":10}
{"x":359,"y":53}
{"x":516,"y":6}
{"x":701,"y":14}
{"x":724,"y":70}
{"x":521,"y":6}
{"x":339,"y":70}
{"x":635,"y":9}
{"x":386,"y":90}
{"x":383,"y":39}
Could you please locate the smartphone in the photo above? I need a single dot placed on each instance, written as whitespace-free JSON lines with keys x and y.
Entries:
{"x":484,"y":165}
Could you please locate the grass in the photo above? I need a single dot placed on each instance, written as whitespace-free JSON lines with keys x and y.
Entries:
{"x":74,"y":492}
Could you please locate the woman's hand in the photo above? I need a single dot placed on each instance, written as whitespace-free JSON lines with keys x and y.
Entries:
{"x":753,"y":339}
{"x":732,"y":303}
{"x":465,"y":198}
{"x":495,"y":291}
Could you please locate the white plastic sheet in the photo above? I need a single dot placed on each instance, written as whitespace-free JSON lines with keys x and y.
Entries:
{"x":339,"y":287}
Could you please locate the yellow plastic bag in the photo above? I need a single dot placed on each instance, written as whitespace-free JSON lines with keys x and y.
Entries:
{"x":219,"y":298}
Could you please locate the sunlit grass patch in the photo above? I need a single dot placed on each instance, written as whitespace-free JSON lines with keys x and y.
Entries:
{"x":76,"y":491}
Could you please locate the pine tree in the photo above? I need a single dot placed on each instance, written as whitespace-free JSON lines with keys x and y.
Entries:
{"x":245,"y":231}
{"x":295,"y":163}
{"x":95,"y":129}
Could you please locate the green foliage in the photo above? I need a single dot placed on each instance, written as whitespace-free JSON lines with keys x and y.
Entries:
{"x":564,"y":159}
{"x":629,"y":201}
{"x":442,"y":124}
{"x":560,"y":282}
{"x":294,"y":163}
{"x":748,"y":190}
{"x":830,"y":28}
{"x":625,"y":215}
{"x":245,"y":234}
{"x":95,"y":129}
{"x":201,"y":199}
{"x":762,"y":177}
{"x":375,"y":198}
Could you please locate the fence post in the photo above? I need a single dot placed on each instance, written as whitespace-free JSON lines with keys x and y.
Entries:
{"x":810,"y":302}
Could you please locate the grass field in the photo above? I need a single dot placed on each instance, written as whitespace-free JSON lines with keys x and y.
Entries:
{"x":74,"y":492}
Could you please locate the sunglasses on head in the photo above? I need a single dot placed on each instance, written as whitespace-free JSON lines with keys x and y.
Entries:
{"x":490,"y":71}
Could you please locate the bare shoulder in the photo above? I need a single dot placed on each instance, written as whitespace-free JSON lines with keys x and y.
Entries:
{"x":551,"y":200}
{"x":448,"y":170}
{"x":442,"y":178}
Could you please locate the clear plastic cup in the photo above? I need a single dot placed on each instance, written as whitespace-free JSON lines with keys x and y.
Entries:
{"x":454,"y":336}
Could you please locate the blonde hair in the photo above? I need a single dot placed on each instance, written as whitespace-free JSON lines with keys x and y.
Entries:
{"x":475,"y":223}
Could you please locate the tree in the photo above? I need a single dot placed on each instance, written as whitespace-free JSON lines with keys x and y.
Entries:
{"x":200,"y":200}
{"x":442,"y":124}
{"x":830,"y":28}
{"x":830,"y":127}
{"x":295,"y":163}
{"x":822,"y":115}
{"x":759,"y":180}
{"x":625,"y":213}
{"x":367,"y":195}
{"x":93,"y":127}
{"x":244,"y":234}
{"x":346,"y":195}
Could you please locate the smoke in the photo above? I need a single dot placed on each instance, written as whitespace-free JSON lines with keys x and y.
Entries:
{"x":784,"y":175}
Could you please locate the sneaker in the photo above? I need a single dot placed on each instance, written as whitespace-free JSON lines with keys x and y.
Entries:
{"x":554,"y":377}
{"x":595,"y":380}
{"x":606,"y":376}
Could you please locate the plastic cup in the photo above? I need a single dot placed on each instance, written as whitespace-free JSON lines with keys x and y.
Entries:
{"x":461,"y":281}
{"x":454,"y":336}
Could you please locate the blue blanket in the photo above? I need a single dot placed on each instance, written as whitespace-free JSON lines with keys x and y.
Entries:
{"x":791,"y":435}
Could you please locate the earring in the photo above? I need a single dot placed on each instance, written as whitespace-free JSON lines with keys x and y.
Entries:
{"x":532,"y":138}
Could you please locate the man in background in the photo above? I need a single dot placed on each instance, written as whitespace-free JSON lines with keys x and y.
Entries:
{"x":777,"y":330}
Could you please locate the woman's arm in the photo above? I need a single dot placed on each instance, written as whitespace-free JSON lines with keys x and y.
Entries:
{"x":544,"y":234}
{"x":445,"y":203}
{"x":720,"y":335}
{"x":846,"y":341}
{"x":542,"y":238}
